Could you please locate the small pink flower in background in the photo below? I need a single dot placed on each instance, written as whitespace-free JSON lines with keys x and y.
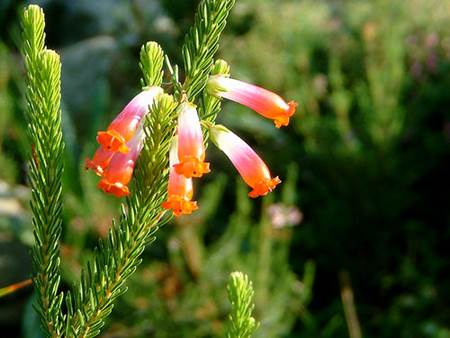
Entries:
{"x":249,"y":165}
{"x":432,"y":40}
{"x":282,"y":216}
{"x":124,"y":126}
{"x":191,"y":151}
{"x":118,"y":173}
{"x":180,"y":189}
{"x":264,"y":102}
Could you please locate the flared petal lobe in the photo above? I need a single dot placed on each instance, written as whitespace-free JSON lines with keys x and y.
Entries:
{"x":262,"y":101}
{"x":250,"y":166}
{"x":191,"y":151}
{"x":100,"y":161}
{"x":125,"y":125}
{"x":179,"y":189}
{"x":118,"y":174}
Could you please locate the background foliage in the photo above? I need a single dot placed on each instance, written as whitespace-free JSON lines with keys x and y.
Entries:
{"x":365,"y":160}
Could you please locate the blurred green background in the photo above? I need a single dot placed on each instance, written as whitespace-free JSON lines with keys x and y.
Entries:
{"x":352,"y":244}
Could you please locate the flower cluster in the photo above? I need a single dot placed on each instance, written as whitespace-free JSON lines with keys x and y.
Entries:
{"x":121,"y":143}
{"x":190,"y":151}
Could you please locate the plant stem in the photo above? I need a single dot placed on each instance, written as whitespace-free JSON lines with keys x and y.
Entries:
{"x":348,"y":303}
{"x":14,"y":287}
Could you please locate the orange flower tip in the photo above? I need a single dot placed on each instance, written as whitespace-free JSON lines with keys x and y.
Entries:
{"x":112,"y":141}
{"x":117,"y":189}
{"x":292,"y":108}
{"x":89,"y":164}
{"x":264,"y":187}
{"x":180,"y":206}
{"x":192,"y":168}
{"x":281,"y":121}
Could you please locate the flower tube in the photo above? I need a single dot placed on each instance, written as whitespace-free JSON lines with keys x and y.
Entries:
{"x":117,"y":175}
{"x":264,"y":102}
{"x":179,"y":189}
{"x":250,"y":166}
{"x":191,"y":151}
{"x":100,"y":161}
{"x":124,"y":126}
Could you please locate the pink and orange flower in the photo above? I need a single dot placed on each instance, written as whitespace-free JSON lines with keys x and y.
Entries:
{"x":250,"y":166}
{"x":262,"y":101}
{"x":124,"y":126}
{"x":121,"y":144}
{"x":179,"y":189}
{"x":118,"y":173}
{"x":191,"y":150}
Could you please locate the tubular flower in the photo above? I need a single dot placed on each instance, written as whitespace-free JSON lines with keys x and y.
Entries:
{"x":249,"y":165}
{"x":117,"y":175}
{"x":180,"y":190}
{"x":191,"y":151}
{"x":100,"y":161}
{"x":124,"y":126}
{"x":264,"y":102}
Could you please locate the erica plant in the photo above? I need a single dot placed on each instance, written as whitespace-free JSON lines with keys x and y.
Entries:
{"x":148,"y":156}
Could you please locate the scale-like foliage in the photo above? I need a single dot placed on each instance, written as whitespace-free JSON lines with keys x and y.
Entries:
{"x":151,"y":63}
{"x":202,"y":42}
{"x":240,"y":294}
{"x":119,"y":255}
{"x":43,"y":113}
